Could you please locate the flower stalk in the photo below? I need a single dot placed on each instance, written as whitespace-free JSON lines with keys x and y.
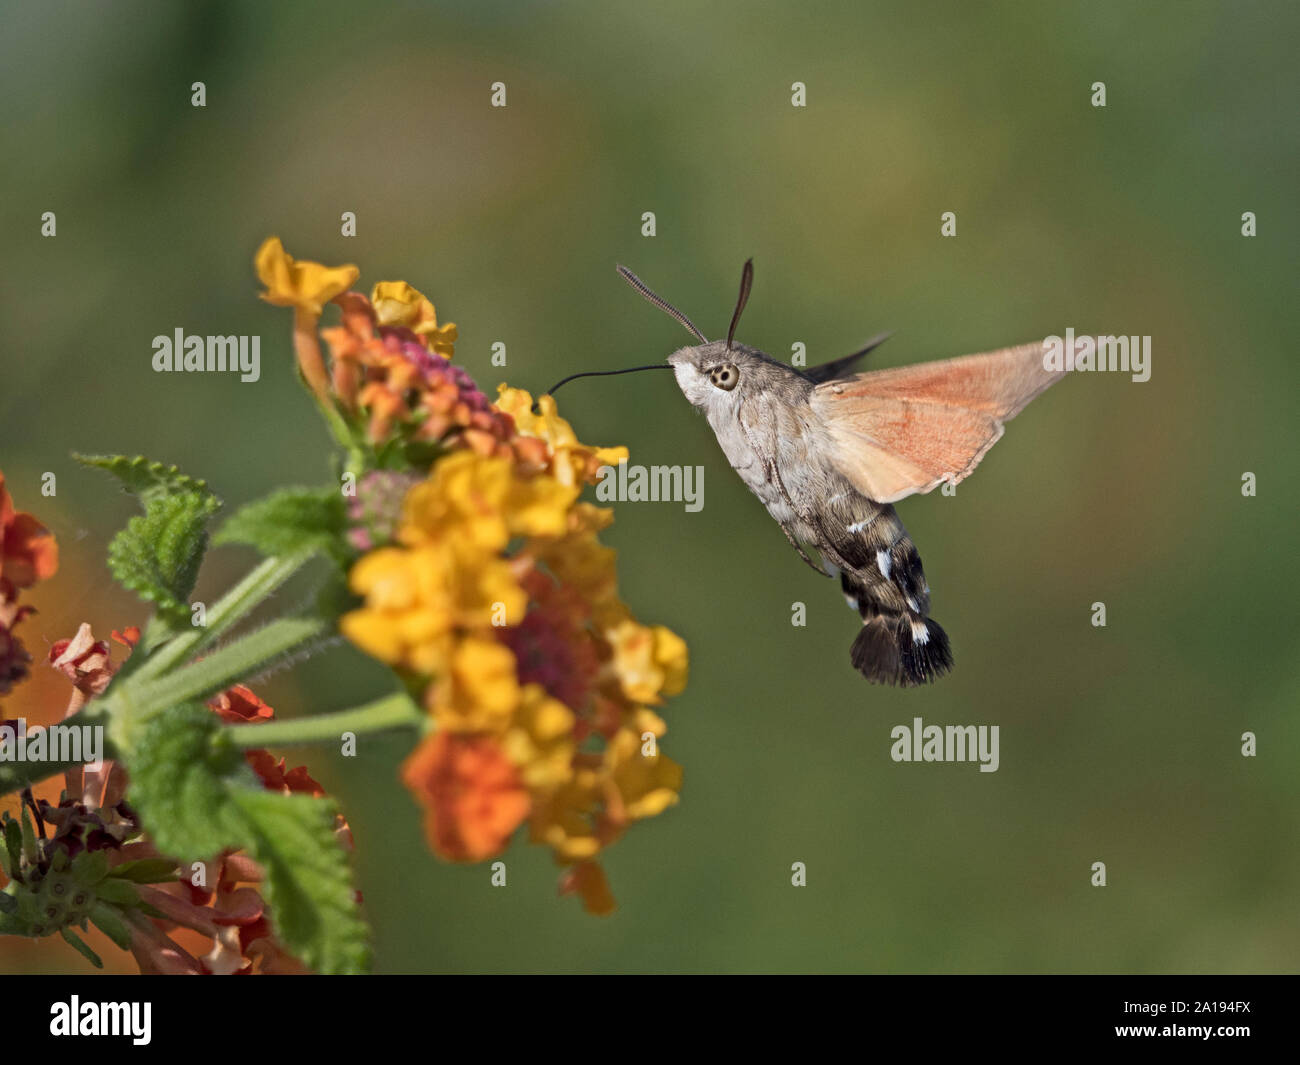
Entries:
{"x":396,"y":711}
{"x":244,"y":597}
{"x":137,"y":700}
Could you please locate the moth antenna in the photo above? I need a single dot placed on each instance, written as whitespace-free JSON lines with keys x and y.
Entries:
{"x":660,"y":302}
{"x":597,"y":373}
{"x":746,"y":283}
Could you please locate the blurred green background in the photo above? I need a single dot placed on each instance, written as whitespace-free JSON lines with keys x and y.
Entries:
{"x":1118,"y":744}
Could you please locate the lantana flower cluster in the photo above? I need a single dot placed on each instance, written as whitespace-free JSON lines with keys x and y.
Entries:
{"x":482,"y":580}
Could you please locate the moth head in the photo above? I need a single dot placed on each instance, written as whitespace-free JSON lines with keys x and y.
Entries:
{"x":715,"y":376}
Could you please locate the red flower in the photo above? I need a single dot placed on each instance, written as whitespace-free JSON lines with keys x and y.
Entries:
{"x":239,"y":705}
{"x":551,"y":645}
{"x":273,"y":775}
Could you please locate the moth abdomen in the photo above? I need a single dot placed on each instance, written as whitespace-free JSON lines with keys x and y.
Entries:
{"x":901,"y":649}
{"x":886,"y":585}
{"x":868,"y":541}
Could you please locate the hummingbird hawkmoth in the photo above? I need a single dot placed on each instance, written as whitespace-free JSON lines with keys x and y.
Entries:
{"x":829,"y":451}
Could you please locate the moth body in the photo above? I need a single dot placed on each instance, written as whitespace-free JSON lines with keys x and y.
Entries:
{"x":772,"y":438}
{"x":829,"y":451}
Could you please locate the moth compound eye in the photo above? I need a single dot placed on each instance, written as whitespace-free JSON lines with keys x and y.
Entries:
{"x":725,"y":377}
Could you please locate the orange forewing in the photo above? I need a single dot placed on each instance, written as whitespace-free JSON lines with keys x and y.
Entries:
{"x":906,"y":430}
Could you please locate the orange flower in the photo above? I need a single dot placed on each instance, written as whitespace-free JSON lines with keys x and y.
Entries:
{"x":28,"y":553}
{"x":390,"y":372}
{"x":472,"y":792}
{"x":87,"y":663}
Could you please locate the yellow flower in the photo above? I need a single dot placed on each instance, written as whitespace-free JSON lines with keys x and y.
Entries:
{"x":398,"y":304}
{"x":306,"y":285}
{"x":574,"y":462}
{"x":481,"y":690}
{"x":583,"y":563}
{"x":539,"y":506}
{"x":464,"y":496}
{"x":649,"y":662}
{"x":483,"y":500}
{"x":643,"y":719}
{"x":564,"y":819}
{"x":673,"y":658}
{"x":540,"y":739}
{"x":415,"y":598}
{"x":641,"y":785}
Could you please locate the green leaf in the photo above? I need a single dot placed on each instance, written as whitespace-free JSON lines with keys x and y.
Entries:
{"x":89,"y":867}
{"x":181,"y":774}
{"x":145,"y":870}
{"x":291,"y":521}
{"x":308,"y":886}
{"x":146,"y":479}
{"x":197,"y":797}
{"x":121,"y":893}
{"x":31,"y":851}
{"x":107,"y":921}
{"x":81,"y":947}
{"x":157,"y":555}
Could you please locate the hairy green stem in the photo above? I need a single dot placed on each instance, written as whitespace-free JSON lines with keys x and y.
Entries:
{"x":398,"y":710}
{"x":245,"y":657}
{"x":337,"y":424}
{"x":260,"y":582}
